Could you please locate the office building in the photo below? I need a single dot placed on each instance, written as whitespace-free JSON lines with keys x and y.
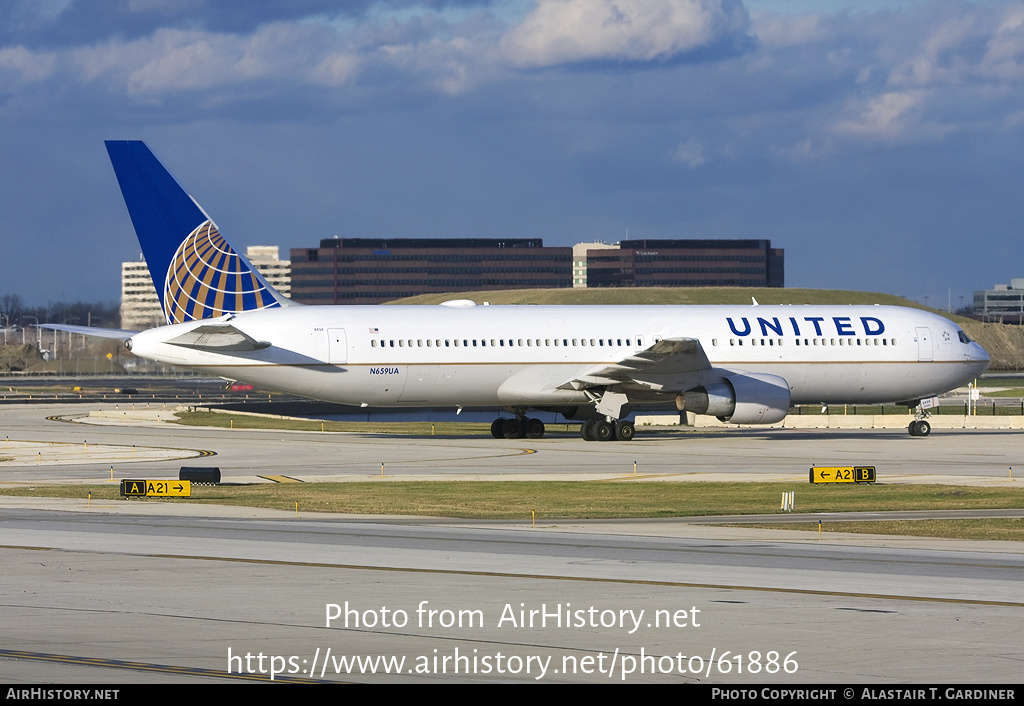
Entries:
{"x":1003,"y":303}
{"x":687,"y":263}
{"x":376,"y":270}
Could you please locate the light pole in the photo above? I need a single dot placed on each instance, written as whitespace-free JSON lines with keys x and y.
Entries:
{"x":39,"y":332}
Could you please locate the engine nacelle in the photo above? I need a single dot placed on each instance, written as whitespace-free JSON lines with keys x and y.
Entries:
{"x":748,"y":398}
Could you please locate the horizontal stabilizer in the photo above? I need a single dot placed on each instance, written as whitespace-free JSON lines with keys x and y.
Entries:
{"x":116,"y":333}
{"x":218,"y":338}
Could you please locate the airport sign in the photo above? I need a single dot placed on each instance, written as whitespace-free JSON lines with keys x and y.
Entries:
{"x":140,"y":488}
{"x":842,"y":474}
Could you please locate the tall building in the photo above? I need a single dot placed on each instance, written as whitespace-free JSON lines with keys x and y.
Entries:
{"x":687,"y":263}
{"x":140,"y":306}
{"x":579,"y":260}
{"x":376,"y":270}
{"x":1005,"y":302}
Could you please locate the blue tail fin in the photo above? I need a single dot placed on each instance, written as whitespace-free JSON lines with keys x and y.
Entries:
{"x":197,"y":272}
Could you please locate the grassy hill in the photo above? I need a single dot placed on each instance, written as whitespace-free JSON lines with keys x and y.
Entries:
{"x":668,"y":295}
{"x":1004,"y":343}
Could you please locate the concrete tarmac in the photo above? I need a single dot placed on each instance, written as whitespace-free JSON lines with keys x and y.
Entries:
{"x":144,"y":592}
{"x":961,"y":456}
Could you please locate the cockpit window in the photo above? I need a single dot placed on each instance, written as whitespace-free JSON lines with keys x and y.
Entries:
{"x":963,"y":337}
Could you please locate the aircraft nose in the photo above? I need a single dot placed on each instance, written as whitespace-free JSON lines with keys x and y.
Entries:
{"x":979,"y":356}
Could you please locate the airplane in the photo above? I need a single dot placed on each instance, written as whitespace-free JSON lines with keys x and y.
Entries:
{"x":742,"y":364}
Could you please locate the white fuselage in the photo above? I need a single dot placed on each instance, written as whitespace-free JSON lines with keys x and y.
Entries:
{"x":524,"y":356}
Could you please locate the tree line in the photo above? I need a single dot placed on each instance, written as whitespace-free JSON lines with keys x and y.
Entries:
{"x":15,"y":313}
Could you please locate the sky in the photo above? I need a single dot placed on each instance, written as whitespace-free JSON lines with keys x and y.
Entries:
{"x":881,"y":144}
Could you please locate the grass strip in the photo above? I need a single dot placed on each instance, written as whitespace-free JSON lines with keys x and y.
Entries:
{"x":226,"y":420}
{"x":1008,"y":529}
{"x":565,"y":499}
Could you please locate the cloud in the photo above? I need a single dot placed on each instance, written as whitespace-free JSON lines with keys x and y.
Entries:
{"x":885,"y":116}
{"x":690,"y":153}
{"x":173,"y":60}
{"x":779,"y":30}
{"x":20,"y":65}
{"x":574,"y":31}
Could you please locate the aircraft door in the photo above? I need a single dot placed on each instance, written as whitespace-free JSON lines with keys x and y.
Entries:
{"x":338,"y":346}
{"x":924,"y":343}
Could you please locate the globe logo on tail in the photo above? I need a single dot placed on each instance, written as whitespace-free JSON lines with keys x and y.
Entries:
{"x":207,"y":278}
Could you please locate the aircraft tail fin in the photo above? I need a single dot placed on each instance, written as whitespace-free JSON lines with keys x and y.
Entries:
{"x":197,"y":272}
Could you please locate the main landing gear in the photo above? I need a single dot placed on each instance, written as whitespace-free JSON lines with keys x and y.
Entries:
{"x":518,"y":428}
{"x":608,"y":431}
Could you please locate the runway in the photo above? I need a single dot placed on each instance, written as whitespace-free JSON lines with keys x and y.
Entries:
{"x":149,"y":592}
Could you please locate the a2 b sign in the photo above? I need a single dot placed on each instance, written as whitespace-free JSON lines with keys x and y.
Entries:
{"x":842,"y":474}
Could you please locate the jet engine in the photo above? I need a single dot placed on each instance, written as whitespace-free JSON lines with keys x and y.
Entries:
{"x":747,"y":398}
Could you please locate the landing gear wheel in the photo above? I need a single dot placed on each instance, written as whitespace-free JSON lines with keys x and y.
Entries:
{"x":534,"y":428}
{"x":512,"y":429}
{"x":624,"y":431}
{"x":498,"y":428}
{"x":919,"y":427}
{"x":604,"y":431}
{"x":587,"y":431}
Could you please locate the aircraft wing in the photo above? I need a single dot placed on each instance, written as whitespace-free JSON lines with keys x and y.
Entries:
{"x":669,"y":356}
{"x":217,"y":337}
{"x":118,"y":333}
